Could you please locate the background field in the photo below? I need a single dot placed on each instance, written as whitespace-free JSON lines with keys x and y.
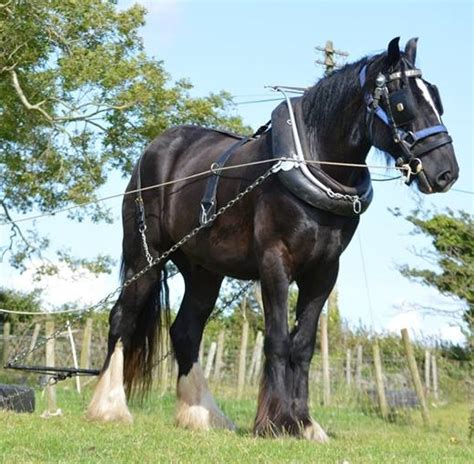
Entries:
{"x":357,"y":436}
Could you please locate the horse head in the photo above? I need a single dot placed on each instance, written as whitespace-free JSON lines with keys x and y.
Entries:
{"x":408,"y":125}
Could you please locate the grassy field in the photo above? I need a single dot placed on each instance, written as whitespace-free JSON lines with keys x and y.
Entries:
{"x":356,"y":437}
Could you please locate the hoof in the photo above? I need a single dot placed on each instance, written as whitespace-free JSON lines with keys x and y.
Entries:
{"x":197,"y":409}
{"x":200,"y":417}
{"x":314,"y":432}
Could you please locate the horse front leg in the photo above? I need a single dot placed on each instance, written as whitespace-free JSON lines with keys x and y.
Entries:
{"x":313,"y":293}
{"x":274,"y":412}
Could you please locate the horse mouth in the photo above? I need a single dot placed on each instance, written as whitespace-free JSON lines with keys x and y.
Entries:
{"x":427,"y":187}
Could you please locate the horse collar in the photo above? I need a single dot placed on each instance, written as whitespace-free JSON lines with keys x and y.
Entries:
{"x":314,"y":187}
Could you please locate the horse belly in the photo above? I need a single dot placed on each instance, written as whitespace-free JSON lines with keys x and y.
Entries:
{"x":226,"y":247}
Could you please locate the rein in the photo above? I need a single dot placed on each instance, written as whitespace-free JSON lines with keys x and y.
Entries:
{"x":399,"y":110}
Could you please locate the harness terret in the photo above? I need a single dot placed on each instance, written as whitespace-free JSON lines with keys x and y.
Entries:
{"x":399,"y":111}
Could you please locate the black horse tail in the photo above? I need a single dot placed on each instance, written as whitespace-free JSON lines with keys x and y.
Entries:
{"x":143,"y":349}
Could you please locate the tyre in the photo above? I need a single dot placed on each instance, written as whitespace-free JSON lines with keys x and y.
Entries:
{"x":17,"y":398}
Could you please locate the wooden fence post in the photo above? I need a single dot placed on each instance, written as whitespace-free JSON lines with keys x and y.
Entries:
{"x":34,"y":338}
{"x":415,"y":376}
{"x":74,"y":355}
{"x":201,"y":351}
{"x":358,"y":369}
{"x":210,"y":359}
{"x":258,"y":361}
{"x":6,"y":342}
{"x":254,"y":368}
{"x":379,"y":380}
{"x":164,"y":366}
{"x":348,"y":367}
{"x":325,"y":359}
{"x":219,"y":355}
{"x":51,"y":407}
{"x":434,"y":377}
{"x":242,"y":358}
{"x":427,"y":371}
{"x":85,"y":361}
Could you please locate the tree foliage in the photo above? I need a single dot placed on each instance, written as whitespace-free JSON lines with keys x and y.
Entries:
{"x":452,"y":238}
{"x":13,"y":300}
{"x":79,"y":98}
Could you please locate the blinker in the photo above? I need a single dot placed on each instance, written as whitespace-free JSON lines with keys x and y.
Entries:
{"x":402,"y":106}
{"x":436,"y":98}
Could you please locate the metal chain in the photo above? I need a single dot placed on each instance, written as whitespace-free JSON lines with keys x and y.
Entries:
{"x":23,"y":354}
{"x":148,"y":256}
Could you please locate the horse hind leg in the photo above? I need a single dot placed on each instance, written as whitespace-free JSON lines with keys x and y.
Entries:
{"x":196,"y":407}
{"x":125,"y":357}
{"x":109,"y":402}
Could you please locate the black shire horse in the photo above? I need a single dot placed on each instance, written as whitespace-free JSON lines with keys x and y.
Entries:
{"x":293,"y":227}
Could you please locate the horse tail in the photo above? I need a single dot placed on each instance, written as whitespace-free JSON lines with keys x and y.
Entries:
{"x":143,"y":349}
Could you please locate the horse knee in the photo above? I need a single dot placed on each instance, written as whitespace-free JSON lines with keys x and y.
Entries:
{"x":276,"y":348}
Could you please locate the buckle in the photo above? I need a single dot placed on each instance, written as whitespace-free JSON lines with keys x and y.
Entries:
{"x":205,"y":210}
{"x":409,"y":138}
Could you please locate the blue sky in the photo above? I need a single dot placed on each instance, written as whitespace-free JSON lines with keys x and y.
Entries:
{"x":241,"y":46}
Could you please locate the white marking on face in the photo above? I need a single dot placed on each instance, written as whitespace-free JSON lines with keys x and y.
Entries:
{"x":427,"y":95}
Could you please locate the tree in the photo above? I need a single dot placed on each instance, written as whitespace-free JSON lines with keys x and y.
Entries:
{"x":19,"y":301}
{"x":79,"y":98}
{"x":452,"y":237}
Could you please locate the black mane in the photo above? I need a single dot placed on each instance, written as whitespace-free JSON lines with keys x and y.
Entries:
{"x":335,"y":96}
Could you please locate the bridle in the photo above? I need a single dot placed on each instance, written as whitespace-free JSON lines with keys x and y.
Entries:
{"x":398,"y":110}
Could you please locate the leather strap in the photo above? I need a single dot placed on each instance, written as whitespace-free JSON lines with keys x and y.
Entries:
{"x":209,"y":202}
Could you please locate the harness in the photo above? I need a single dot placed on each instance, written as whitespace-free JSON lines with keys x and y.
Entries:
{"x":209,"y":202}
{"x":314,"y":186}
{"x":399,"y":111}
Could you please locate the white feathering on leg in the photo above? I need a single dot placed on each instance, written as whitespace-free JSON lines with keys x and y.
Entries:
{"x":197,"y":409}
{"x":109,"y":402}
{"x":314,"y":432}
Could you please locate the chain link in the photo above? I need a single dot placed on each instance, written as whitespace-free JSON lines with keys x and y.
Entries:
{"x":152,"y":263}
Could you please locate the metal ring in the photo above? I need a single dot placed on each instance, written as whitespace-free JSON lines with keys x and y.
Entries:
{"x":215,"y":168}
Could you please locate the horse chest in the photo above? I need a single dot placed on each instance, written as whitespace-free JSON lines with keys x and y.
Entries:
{"x":318,"y":245}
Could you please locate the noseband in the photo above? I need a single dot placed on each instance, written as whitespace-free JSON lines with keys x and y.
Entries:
{"x":399,"y":111}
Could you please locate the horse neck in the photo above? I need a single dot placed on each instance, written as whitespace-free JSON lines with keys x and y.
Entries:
{"x":339,"y":134}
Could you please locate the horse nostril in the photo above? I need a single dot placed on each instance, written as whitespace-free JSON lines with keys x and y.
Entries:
{"x":444,"y":179}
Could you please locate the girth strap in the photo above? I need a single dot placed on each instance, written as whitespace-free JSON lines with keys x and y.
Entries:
{"x":208,"y":202}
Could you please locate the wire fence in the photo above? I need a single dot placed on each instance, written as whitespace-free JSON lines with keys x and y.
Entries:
{"x":233,"y":363}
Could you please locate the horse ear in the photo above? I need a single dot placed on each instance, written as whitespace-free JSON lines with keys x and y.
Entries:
{"x":410,"y":49}
{"x":393,"y":52}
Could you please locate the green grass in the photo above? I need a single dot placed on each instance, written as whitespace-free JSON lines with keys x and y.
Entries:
{"x":356,"y":437}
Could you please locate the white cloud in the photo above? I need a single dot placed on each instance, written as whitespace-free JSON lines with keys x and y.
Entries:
{"x":66,"y":286}
{"x":452,"y":333}
{"x":422,"y":326}
{"x":405,"y":320}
